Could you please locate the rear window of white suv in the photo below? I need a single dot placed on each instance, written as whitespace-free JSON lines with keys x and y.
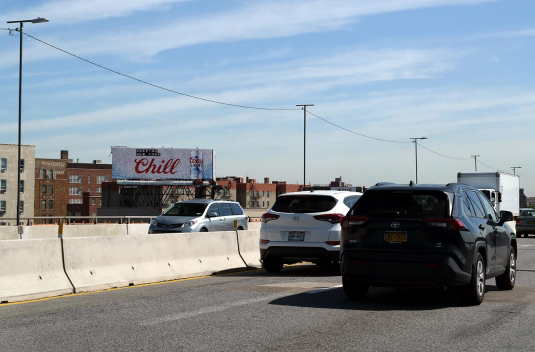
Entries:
{"x":304,"y":204}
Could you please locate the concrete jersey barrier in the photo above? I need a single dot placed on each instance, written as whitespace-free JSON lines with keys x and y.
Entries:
{"x":249,"y":248}
{"x":31,"y":269}
{"x":106,"y":262}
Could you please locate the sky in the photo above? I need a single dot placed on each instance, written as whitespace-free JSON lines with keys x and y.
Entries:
{"x":459,"y":72}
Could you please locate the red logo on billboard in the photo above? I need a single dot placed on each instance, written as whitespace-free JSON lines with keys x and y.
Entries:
{"x":144,"y":166}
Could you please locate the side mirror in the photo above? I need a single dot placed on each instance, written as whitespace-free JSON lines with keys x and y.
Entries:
{"x":212,"y":214}
{"x":505,"y":216}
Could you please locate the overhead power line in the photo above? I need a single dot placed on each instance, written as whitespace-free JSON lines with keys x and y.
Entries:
{"x":445,"y":156}
{"x":359,"y":134}
{"x":155,"y":85}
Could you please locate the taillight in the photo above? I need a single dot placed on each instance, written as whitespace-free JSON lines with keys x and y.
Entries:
{"x":332,"y":218}
{"x":268,"y":217}
{"x":264,"y":241}
{"x":457,"y":224}
{"x":353,"y":220}
{"x":333,"y":243}
{"x":519,"y":221}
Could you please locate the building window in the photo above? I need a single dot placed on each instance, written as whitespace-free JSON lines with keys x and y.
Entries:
{"x":76,"y":201}
{"x":44,"y":174}
{"x":51,"y":174}
{"x":100,"y":200}
{"x":89,"y":189}
{"x":262,"y":204}
{"x":88,"y":178}
{"x":21,"y":186}
{"x":2,"y":206}
{"x":21,"y":207}
{"x":43,"y":191}
{"x":21,"y":165}
{"x":51,"y":189}
{"x":43,"y":205}
{"x":3,"y":185}
{"x":3,"y":165}
{"x":101,"y":179}
{"x":268,"y":195}
{"x":268,"y":203}
{"x":75,"y":178}
{"x":93,"y":202}
{"x":51,"y":204}
{"x":99,"y":190}
{"x":75,"y":191}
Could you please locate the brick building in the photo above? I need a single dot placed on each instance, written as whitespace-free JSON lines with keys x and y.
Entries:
{"x":85,"y":186}
{"x":51,"y":187}
{"x":256,"y":195}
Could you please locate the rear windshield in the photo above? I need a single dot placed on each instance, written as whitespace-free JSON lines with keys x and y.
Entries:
{"x":185,"y":209}
{"x":304,"y":204}
{"x":402,"y":204}
{"x":528,"y":213}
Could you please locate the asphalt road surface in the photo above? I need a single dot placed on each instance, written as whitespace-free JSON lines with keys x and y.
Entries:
{"x":301,"y":309}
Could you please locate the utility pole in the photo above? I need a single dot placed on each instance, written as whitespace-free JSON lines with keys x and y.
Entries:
{"x":514,"y":169}
{"x":415,"y":140}
{"x":305,"y":142}
{"x":475,"y":160}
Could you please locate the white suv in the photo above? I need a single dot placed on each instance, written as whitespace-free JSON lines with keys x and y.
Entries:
{"x":304,"y":226}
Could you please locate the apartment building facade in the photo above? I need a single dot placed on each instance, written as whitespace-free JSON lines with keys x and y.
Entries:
{"x":8,"y":182}
{"x":85,"y":186}
{"x":51,"y":183}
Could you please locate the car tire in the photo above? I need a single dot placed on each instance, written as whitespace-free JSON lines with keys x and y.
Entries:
{"x":474,"y":293}
{"x":272,"y":265}
{"x":507,"y":280}
{"x":355,"y":290}
{"x":204,"y":229}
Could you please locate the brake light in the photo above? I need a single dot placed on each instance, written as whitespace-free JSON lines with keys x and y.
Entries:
{"x":264,"y":241}
{"x":519,"y":221}
{"x":353,"y":220}
{"x":332,"y":218}
{"x":333,"y":243}
{"x":457,"y":224}
{"x":268,"y":217}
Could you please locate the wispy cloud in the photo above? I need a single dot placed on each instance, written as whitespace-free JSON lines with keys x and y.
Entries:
{"x":527,"y":32}
{"x":77,"y":11}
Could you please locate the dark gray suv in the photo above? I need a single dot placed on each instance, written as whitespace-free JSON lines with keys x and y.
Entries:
{"x":426,"y":235}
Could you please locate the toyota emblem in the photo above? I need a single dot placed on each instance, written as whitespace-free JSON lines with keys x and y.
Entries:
{"x":296,"y":218}
{"x":395,"y":225}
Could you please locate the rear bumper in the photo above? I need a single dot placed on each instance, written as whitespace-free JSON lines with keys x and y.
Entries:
{"x":294,"y":254}
{"x":380,"y":271}
{"x":525,"y":230}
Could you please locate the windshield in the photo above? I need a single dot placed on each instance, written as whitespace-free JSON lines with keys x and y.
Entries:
{"x":402,"y":204}
{"x":304,"y":204}
{"x":185,"y":209}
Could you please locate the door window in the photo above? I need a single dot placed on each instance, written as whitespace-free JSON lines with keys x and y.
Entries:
{"x":236,"y":209}
{"x":489,"y":210}
{"x":349,"y":201}
{"x":214,"y":209}
{"x":475,"y":205}
{"x":225,"y":209}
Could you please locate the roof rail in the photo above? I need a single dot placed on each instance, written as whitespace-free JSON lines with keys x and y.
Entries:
{"x":384,"y":183}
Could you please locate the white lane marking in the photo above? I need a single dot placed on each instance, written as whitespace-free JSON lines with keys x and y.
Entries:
{"x":324,"y":289}
{"x":526,"y":245}
{"x":207,"y":310}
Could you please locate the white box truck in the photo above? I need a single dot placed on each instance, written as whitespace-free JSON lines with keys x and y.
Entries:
{"x":502,"y":189}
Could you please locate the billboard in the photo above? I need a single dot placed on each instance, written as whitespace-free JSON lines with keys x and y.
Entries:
{"x":162,"y":164}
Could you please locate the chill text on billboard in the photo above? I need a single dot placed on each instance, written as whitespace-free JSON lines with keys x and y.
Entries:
{"x":144,"y":166}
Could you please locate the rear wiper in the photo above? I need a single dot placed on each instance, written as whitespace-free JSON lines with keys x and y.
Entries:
{"x":384,"y":214}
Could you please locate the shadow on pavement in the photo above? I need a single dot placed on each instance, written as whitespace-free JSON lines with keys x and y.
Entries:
{"x":296,"y":270}
{"x":378,"y":299}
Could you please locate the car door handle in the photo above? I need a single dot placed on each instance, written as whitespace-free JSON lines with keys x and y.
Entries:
{"x":481,"y":227}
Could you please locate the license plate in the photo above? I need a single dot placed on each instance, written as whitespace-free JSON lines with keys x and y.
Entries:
{"x":296,"y":236}
{"x":531,"y":222}
{"x":395,"y":237}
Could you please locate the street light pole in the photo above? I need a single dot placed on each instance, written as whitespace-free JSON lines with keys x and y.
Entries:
{"x":514,"y":169}
{"x":475,"y":160}
{"x":415,"y":140}
{"x":305,"y":142}
{"x":21,"y":23}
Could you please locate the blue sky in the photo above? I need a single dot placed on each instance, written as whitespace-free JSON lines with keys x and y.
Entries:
{"x":458,"y":72}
